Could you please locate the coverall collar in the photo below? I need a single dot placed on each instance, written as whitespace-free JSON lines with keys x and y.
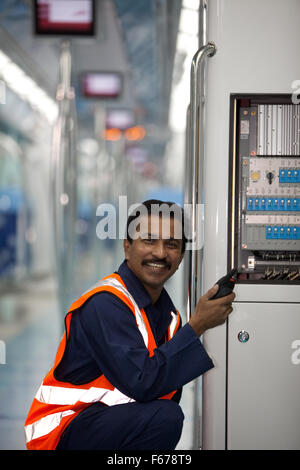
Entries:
{"x":141,"y":296}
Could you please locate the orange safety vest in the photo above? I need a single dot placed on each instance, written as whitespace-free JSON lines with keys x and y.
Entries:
{"x":56,"y":403}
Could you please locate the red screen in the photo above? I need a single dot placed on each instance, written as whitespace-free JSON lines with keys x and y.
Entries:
{"x":64,"y":16}
{"x":102,"y":85}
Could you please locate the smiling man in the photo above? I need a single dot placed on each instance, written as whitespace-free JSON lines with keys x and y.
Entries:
{"x":120,"y":367}
{"x":159,"y":244}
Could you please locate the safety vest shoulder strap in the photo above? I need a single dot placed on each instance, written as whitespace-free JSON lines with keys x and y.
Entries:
{"x":115,"y":285}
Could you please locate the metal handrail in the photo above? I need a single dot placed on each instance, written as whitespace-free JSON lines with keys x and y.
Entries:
{"x":196,"y":165}
{"x":64,"y":178}
{"x":195,"y":195}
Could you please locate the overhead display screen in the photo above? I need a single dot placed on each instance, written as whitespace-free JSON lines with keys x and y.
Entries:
{"x":120,"y":118}
{"x":65,"y":17}
{"x":102,"y":85}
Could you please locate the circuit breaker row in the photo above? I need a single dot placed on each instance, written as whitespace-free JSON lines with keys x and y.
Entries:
{"x":272,"y":204}
{"x":281,"y":232}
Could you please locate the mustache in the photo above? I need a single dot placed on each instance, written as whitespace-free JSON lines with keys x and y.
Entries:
{"x":158,"y":261}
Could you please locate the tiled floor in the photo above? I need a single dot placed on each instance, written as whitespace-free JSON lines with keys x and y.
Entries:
{"x":30,"y":344}
{"x":31,"y":339}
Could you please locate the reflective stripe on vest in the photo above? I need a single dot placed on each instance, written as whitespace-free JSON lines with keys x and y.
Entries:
{"x":57,"y":403}
{"x":45,"y":425}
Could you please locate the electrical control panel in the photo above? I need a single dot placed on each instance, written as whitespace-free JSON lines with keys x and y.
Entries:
{"x":264,"y":188}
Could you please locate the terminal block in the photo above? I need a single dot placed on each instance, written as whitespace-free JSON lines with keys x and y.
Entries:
{"x":273,"y":204}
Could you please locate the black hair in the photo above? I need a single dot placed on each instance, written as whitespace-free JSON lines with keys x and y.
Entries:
{"x":178,"y":214}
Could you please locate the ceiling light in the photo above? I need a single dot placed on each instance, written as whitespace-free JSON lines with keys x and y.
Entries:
{"x":112,"y":134}
{"x":192,"y":4}
{"x":27,"y":89}
{"x":186,"y":47}
{"x":135,"y":133}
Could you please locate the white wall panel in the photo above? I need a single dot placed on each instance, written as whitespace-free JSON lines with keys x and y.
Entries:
{"x":264,"y":377}
{"x":257,"y":48}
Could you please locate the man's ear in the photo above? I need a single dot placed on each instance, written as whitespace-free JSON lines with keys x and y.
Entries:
{"x":181,"y":258}
{"x":126,"y":246}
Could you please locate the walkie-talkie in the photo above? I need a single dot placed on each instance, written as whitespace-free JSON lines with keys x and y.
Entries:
{"x":226,"y":284}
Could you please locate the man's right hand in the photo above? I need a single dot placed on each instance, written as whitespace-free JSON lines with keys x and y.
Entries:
{"x":210,"y":313}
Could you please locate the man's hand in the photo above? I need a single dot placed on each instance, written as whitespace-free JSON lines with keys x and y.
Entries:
{"x":211,"y":313}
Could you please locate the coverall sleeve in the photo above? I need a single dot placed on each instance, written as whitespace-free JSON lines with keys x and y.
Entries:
{"x":117,"y":346}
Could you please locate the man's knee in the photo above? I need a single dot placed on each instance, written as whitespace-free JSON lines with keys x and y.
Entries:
{"x":170,"y":416}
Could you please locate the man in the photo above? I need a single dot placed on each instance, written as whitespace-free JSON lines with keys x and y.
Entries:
{"x":118,"y":373}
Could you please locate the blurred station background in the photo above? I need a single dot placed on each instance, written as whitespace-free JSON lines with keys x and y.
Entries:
{"x":93,"y":101}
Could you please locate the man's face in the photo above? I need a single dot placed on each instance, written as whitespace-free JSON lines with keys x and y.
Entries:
{"x":156,"y":254}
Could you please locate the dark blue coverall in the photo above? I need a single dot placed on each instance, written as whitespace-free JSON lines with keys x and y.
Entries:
{"x":104,"y":338}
